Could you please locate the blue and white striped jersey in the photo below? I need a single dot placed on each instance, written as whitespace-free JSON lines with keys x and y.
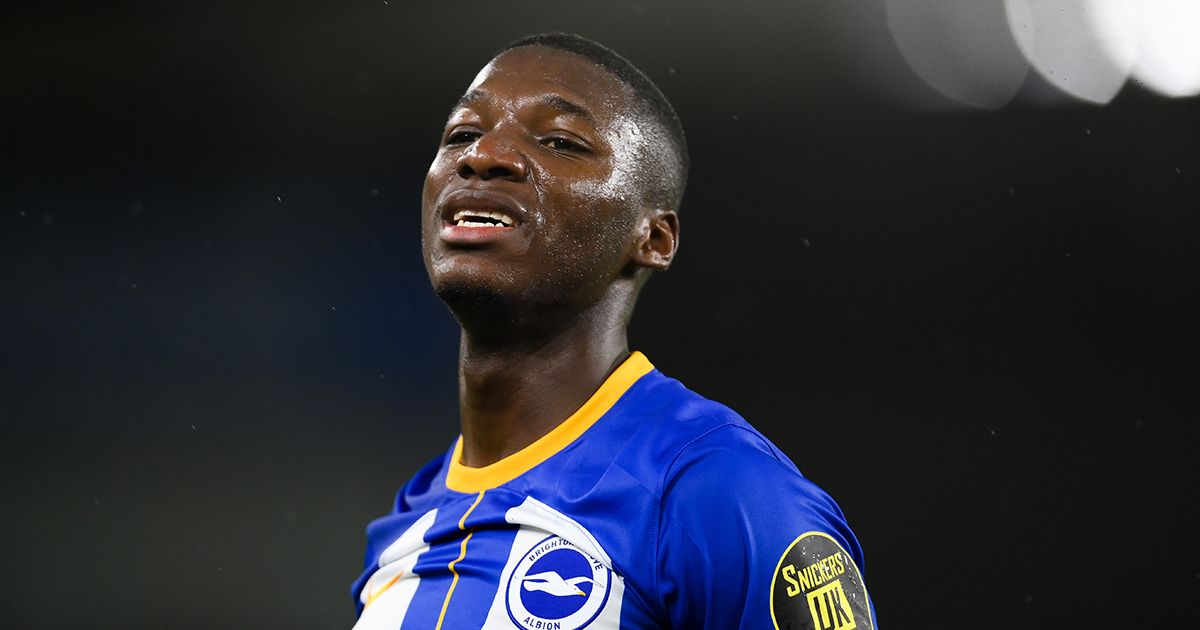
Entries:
{"x":650,"y":507}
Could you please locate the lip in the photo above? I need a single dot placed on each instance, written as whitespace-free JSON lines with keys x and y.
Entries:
{"x":478,"y":199}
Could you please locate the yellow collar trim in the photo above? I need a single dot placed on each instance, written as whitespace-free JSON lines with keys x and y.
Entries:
{"x":461,"y":478}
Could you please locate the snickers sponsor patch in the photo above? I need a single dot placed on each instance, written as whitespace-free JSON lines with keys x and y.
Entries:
{"x":818,"y":587}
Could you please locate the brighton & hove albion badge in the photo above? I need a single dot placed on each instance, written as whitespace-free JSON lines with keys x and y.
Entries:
{"x":557,"y":585}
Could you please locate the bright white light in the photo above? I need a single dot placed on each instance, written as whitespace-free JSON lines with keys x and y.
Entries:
{"x":1169,"y":56}
{"x":1085,"y":48}
{"x":961,"y":49}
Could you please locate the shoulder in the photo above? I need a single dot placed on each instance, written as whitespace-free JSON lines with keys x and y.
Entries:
{"x":716,"y":459}
{"x":672,"y":430}
{"x":426,"y":487}
{"x":702,"y":458}
{"x":738,"y":521}
{"x":732,"y":484}
{"x":664,"y":410}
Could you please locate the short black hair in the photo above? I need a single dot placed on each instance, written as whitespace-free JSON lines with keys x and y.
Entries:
{"x":668,"y":186}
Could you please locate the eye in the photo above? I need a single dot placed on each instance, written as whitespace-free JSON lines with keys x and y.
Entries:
{"x":559,"y":143}
{"x":462,"y":136}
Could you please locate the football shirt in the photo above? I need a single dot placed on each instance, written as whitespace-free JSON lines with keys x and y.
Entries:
{"x":650,"y":507}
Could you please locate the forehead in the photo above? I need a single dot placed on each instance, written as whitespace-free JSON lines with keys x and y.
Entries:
{"x":535,"y":72}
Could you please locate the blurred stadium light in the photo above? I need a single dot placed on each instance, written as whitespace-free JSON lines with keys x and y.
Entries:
{"x":979,"y":54}
{"x":1169,"y":54}
{"x":962,"y":50}
{"x":1085,"y":48}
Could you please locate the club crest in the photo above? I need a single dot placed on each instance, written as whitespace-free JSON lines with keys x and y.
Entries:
{"x":557,"y":585}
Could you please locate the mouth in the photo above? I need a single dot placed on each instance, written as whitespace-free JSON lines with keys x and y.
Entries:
{"x":482,"y":219}
{"x":474,"y":217}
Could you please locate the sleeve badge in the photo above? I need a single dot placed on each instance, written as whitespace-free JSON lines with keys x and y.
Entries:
{"x":817,"y":586}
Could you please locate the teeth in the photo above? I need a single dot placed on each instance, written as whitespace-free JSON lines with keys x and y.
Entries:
{"x":460,"y":218}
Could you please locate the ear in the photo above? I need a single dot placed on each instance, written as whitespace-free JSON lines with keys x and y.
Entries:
{"x":657,"y":239}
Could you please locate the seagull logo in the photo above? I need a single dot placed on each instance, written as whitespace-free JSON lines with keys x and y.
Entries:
{"x":554,"y":584}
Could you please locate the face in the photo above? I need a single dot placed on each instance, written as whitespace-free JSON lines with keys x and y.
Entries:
{"x":533,"y":194}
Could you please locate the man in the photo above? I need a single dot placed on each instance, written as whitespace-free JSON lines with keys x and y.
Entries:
{"x":587,"y":489}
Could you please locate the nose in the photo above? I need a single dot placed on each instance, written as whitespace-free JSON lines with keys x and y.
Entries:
{"x":492,"y":156}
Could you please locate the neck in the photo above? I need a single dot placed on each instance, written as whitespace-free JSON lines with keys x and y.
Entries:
{"x":513,"y":392}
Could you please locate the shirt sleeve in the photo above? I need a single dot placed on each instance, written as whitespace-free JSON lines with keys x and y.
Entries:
{"x":745,"y":541}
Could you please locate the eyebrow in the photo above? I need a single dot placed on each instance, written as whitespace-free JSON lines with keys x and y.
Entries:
{"x":555,"y":101}
{"x":552,"y":101}
{"x":470,"y":97}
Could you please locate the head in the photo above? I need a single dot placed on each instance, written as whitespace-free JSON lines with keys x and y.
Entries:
{"x":556,"y":186}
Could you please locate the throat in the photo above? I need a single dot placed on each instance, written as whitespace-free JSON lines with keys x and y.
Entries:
{"x":507,"y":402}
{"x":506,"y":410}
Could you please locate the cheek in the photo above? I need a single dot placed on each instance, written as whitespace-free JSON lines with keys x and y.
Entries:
{"x":597,"y":206}
{"x":436,"y":176}
{"x":590,"y":195}
{"x":440,"y":173}
{"x":608,"y":206}
{"x":598,"y":230}
{"x":629,"y":146}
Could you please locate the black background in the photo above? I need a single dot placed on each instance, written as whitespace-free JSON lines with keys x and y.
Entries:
{"x":219,"y":356}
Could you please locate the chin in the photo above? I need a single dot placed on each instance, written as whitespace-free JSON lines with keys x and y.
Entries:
{"x":472,"y":290}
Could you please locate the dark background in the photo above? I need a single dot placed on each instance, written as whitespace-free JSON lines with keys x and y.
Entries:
{"x":219,"y":356}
